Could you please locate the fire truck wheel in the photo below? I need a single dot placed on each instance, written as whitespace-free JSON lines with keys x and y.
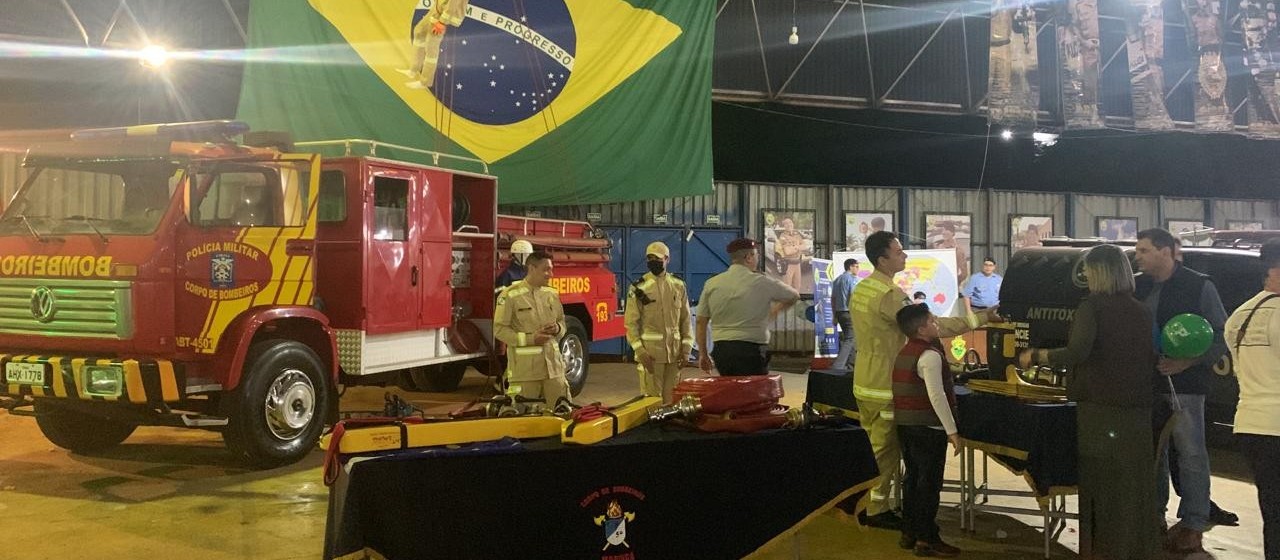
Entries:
{"x":276,"y":414}
{"x":77,"y":431}
{"x":438,"y":378}
{"x":574,"y":348}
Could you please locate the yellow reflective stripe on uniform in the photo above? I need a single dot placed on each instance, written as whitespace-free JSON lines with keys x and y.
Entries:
{"x":637,"y":345}
{"x":527,"y":350}
{"x":686,"y":340}
{"x":873,"y":290}
{"x":873,"y":394}
{"x":520,"y":339}
{"x":652,"y":336}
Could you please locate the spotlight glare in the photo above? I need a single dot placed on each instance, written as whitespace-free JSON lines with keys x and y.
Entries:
{"x":153,"y":56}
{"x":1044,"y":138}
{"x":794,"y":39}
{"x":1006,"y":134}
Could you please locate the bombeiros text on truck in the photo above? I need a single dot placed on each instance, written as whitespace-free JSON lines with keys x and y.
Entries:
{"x":167,"y":275}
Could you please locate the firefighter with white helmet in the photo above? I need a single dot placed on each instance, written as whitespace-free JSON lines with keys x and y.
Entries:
{"x":657,"y":320}
{"x":520,"y":250}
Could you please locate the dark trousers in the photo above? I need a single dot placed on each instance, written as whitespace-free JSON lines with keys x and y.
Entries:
{"x":845,"y":356}
{"x":924,"y":450}
{"x":1264,"y":456}
{"x":736,"y":357}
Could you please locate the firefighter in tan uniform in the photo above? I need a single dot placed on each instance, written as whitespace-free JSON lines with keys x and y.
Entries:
{"x":428,"y":34}
{"x":657,"y":320}
{"x":874,"y":306}
{"x":530,"y":320}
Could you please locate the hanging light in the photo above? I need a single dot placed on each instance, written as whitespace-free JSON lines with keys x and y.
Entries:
{"x":794,"y":39}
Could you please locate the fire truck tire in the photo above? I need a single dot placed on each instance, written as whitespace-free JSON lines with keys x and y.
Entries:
{"x":277,"y":413}
{"x":438,"y":378}
{"x":77,"y":431}
{"x":576,"y":359}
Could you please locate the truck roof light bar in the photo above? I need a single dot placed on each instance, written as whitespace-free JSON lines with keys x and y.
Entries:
{"x":218,"y":130}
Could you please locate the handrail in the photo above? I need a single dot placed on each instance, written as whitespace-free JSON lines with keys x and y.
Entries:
{"x":346,"y":144}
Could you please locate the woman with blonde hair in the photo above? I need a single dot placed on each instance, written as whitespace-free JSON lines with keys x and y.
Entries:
{"x":1109,"y":356}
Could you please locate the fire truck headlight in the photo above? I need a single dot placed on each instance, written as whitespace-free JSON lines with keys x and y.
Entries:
{"x":104,"y":381}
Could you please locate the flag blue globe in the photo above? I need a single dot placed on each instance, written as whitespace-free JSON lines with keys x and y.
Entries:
{"x":507,"y":61}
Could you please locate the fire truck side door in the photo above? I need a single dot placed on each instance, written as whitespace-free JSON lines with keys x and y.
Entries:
{"x":393,"y":274}
{"x":435,"y":224}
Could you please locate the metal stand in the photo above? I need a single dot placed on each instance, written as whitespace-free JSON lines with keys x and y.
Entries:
{"x":975,"y":495}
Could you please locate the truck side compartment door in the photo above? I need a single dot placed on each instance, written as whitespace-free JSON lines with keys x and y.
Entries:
{"x":436,"y":246}
{"x":392,"y":264}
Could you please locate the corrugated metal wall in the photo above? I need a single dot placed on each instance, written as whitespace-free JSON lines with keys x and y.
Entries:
{"x":1227,"y":211}
{"x":1090,"y":208}
{"x":1183,"y":209}
{"x":724,"y":201}
{"x":1005,"y":205}
{"x":61,"y":193}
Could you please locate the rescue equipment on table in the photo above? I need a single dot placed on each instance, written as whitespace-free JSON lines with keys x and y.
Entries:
{"x":403,"y":426}
{"x":737,"y":404}
{"x":1042,"y":288}
{"x":594,"y":423}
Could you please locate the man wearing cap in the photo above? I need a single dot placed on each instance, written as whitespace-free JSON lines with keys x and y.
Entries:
{"x":874,"y":306}
{"x":1253,"y":336}
{"x":740,"y":303}
{"x":657,"y":321}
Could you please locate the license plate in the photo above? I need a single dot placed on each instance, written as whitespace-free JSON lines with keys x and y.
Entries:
{"x":24,"y":374}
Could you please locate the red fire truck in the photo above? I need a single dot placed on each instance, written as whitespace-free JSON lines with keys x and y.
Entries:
{"x":166,"y":275}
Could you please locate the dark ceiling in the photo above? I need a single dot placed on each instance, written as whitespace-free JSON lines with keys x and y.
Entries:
{"x":846,"y":105}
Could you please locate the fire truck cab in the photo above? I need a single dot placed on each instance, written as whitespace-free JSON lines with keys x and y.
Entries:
{"x":165,"y":275}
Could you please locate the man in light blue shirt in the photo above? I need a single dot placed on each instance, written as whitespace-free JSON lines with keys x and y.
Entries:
{"x":983,"y":290}
{"x":841,"y":289}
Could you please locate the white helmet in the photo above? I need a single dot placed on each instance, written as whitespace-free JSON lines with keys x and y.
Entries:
{"x":520,"y":250}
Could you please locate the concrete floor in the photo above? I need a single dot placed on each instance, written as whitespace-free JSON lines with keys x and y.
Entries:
{"x":171,"y":493}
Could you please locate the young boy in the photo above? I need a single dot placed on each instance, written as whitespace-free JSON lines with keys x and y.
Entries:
{"x":923,"y":403}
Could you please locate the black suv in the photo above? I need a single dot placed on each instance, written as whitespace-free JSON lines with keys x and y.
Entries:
{"x":1232,"y":263}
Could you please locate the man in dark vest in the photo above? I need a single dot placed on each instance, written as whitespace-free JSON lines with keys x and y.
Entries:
{"x":1169,"y":289}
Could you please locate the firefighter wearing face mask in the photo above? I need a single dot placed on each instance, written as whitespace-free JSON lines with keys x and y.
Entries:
{"x":657,"y":321}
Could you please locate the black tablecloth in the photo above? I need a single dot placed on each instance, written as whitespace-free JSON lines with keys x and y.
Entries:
{"x":682,"y":494}
{"x":1037,"y":441}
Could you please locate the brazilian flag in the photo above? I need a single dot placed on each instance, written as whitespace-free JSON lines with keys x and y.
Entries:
{"x":567,"y":101}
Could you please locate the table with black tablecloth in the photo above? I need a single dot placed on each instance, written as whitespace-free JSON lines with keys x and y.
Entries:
{"x":1037,"y":441}
{"x":681,"y":495}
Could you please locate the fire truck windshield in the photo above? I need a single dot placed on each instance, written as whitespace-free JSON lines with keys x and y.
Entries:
{"x":99,"y":198}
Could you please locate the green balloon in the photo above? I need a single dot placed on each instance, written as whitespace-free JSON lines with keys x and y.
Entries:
{"x":1186,"y":336}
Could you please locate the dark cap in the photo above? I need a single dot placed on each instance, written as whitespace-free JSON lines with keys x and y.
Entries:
{"x":740,"y":244}
{"x":1270,"y":253}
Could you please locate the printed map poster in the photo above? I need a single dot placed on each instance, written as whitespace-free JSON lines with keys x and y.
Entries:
{"x":929,"y":272}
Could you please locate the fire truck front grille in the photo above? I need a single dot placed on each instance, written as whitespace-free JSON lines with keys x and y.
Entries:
{"x":68,"y":308}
